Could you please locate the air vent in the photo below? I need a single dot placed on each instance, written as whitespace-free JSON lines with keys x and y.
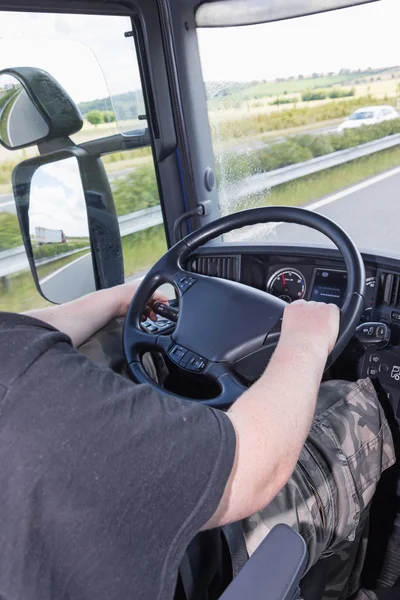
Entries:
{"x":225,"y":267}
{"x":391,"y":289}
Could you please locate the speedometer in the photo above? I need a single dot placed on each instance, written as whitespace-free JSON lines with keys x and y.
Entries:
{"x":287,"y":284}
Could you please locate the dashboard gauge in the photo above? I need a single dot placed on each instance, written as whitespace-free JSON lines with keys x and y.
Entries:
{"x":287,"y":284}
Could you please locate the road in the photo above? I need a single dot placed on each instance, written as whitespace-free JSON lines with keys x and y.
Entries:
{"x":368,"y":211}
{"x":24,"y":121}
{"x":7,"y":204}
{"x":70,"y":281}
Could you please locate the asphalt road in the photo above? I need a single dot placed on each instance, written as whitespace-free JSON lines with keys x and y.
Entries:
{"x":370,"y":215}
{"x":368,"y":211}
{"x":70,"y":281}
{"x":7,"y":204}
{"x":24,"y":122}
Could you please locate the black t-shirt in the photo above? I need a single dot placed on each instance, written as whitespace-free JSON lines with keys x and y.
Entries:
{"x":103,"y":483}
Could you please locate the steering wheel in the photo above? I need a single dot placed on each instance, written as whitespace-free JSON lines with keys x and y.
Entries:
{"x":221,"y":322}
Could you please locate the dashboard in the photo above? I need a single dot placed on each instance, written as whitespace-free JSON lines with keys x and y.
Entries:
{"x":319,"y":274}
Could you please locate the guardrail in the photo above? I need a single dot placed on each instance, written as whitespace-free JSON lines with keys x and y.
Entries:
{"x":13,"y":261}
{"x":256,"y":184}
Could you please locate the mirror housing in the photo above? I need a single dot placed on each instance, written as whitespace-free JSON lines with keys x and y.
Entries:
{"x":105,"y":240}
{"x":43,"y":102}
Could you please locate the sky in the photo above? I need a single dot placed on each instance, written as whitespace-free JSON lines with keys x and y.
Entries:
{"x":57,"y":200}
{"x":91,"y":58}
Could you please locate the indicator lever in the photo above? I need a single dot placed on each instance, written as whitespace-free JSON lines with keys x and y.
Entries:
{"x":372,"y":335}
{"x":164,"y":310}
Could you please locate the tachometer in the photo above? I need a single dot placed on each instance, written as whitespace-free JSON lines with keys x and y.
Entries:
{"x":287,"y":284}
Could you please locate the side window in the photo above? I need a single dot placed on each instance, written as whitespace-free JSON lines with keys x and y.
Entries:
{"x":93,"y":61}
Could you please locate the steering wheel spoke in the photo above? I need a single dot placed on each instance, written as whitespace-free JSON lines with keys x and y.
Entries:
{"x":230,"y":384}
{"x":164,"y":343}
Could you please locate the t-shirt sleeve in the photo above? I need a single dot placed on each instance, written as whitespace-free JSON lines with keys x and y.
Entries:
{"x":123,"y":473}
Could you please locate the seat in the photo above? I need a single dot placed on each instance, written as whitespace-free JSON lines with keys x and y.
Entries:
{"x":272,"y":573}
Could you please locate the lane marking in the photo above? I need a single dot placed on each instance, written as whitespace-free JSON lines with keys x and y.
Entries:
{"x":247,"y":236}
{"x":352,"y":190}
{"x":61,"y":269}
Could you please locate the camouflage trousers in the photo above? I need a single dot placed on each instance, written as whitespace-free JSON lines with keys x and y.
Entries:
{"x":328,"y":497}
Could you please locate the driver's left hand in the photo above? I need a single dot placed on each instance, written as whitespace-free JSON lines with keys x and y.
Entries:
{"x":125,"y":293}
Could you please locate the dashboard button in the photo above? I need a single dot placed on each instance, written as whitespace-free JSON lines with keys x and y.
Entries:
{"x":372,"y":371}
{"x":383,"y":369}
{"x":196,"y":364}
{"x":374,"y":358}
{"x":396,"y":316}
{"x":188,"y":356}
{"x":177,"y":353}
{"x":380,"y":332}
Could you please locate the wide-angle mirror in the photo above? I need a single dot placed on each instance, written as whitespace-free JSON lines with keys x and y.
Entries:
{"x":59,"y":232}
{"x":21,"y":124}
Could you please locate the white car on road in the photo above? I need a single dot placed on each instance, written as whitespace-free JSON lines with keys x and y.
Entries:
{"x":369,"y":115}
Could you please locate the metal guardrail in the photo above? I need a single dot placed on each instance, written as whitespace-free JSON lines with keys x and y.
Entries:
{"x":256,"y":184}
{"x":13,"y":261}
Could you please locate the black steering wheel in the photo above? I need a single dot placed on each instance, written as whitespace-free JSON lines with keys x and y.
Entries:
{"x":221,"y":322}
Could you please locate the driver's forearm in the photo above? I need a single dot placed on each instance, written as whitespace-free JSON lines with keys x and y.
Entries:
{"x":272,"y":420}
{"x":81,"y":318}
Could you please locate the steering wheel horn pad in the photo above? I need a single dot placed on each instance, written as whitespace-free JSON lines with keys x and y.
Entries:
{"x":223,"y":321}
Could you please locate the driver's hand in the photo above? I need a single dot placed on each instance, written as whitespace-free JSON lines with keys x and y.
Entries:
{"x":125,"y":294}
{"x":312,"y":320}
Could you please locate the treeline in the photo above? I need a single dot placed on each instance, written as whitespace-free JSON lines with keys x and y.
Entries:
{"x":310,"y":95}
{"x":125,"y":106}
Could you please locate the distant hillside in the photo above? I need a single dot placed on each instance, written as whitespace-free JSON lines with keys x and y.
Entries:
{"x":130,"y":105}
{"x":291,"y":85}
{"x":126,"y":106}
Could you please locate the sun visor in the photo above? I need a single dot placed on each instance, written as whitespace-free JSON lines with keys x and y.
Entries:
{"x":228,"y":13}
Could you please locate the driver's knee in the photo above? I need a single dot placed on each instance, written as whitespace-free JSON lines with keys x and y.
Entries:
{"x":353,"y":442}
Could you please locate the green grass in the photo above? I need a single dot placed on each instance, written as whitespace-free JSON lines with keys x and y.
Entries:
{"x":10,"y":235}
{"x":308,"y":189}
{"x":142,"y":249}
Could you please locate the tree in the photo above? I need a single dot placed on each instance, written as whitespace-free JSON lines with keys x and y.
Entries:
{"x":95,"y":117}
{"x":108,"y":116}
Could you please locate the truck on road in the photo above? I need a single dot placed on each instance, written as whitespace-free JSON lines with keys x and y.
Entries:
{"x":49,"y":236}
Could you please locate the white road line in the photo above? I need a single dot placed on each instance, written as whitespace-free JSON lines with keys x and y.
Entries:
{"x":324,"y":201}
{"x":353,"y":189}
{"x":61,"y":269}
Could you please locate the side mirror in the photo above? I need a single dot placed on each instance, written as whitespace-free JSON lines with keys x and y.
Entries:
{"x":34,"y":108}
{"x":68,"y":224}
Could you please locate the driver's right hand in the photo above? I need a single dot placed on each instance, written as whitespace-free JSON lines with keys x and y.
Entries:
{"x":315,"y":320}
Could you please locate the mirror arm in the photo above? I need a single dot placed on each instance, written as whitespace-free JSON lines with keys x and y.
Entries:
{"x":49,"y":146}
{"x":117,"y":143}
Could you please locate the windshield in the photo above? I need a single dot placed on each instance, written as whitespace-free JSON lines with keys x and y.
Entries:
{"x":279,"y":96}
{"x":357,"y":116}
